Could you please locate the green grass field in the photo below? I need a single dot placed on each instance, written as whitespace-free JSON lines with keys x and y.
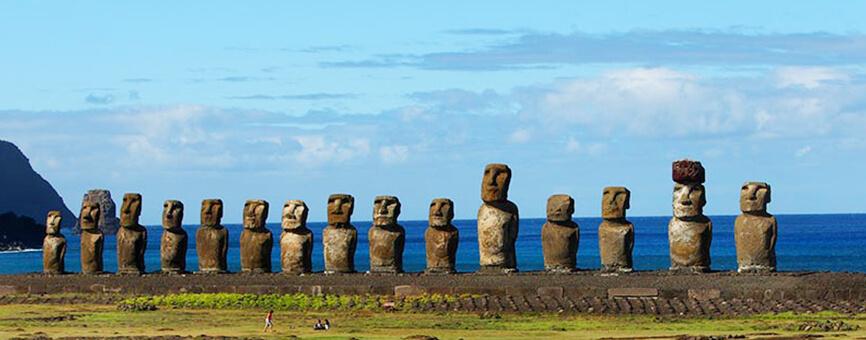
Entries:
{"x":105,"y":320}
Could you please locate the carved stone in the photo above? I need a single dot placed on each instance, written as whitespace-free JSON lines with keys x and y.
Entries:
{"x":755,"y":230}
{"x":212,"y":239}
{"x":108,"y":221}
{"x":386,"y":237}
{"x":54,"y":245}
{"x":689,"y":231}
{"x":560,"y":236}
{"x":256,"y":240}
{"x":615,"y":233}
{"x":131,"y":237}
{"x":296,"y":242}
{"x":441,"y":237}
{"x":498,"y":222}
{"x":92,"y":240}
{"x":174,"y":242}
{"x":340,"y":238}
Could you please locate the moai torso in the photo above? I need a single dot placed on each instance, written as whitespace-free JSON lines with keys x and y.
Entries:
{"x":92,"y":240}
{"x":615,"y":233}
{"x":340,"y":238}
{"x":131,"y":237}
{"x":386,"y":237}
{"x":54,"y":245}
{"x":560,"y":236}
{"x":257,"y":241}
{"x":441,"y":237}
{"x":174,"y":241}
{"x":689,"y":231}
{"x":498,"y":222}
{"x":755,"y":230}
{"x":211,"y":239}
{"x":296,"y":242}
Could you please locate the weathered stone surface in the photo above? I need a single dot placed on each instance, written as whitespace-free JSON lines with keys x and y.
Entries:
{"x":687,"y":171}
{"x":211,"y":238}
{"x":131,"y":237}
{"x":632,"y":292}
{"x":256,"y":240}
{"x":108,"y":221}
{"x":386,"y":237}
{"x":296,"y":242}
{"x":340,"y":238}
{"x":54,"y":245}
{"x":498,"y":222}
{"x":92,"y":239}
{"x":689,"y":231}
{"x":175,"y":241}
{"x":615,"y":233}
{"x":560,"y":235}
{"x":441,"y":237}
{"x":755,"y":230}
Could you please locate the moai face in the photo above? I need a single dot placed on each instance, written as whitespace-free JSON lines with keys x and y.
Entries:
{"x":494,"y":185}
{"x":441,"y":212}
{"x":211,"y":212}
{"x":689,"y":200}
{"x":614,"y":202}
{"x":294,"y":214}
{"x":340,"y":208}
{"x":386,"y":209}
{"x":560,"y":208}
{"x":754,"y":197}
{"x":89,"y":216}
{"x":52,"y":223}
{"x":255,"y":214}
{"x":130,"y":210}
{"x":172,"y":214}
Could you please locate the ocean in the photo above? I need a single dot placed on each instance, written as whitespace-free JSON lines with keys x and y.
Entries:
{"x":834,"y":242}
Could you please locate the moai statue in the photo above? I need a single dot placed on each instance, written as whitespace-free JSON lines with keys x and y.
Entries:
{"x":131,"y":237}
{"x":689,"y":231}
{"x":340,"y":238}
{"x":755,"y":230}
{"x":615,"y":233}
{"x":497,"y":222}
{"x":387,"y":238}
{"x":92,"y":240}
{"x":441,"y":237}
{"x":296,"y":242}
{"x":256,"y":240}
{"x":54,"y":245}
{"x":560,"y":236}
{"x":172,"y":248}
{"x":212,"y":239}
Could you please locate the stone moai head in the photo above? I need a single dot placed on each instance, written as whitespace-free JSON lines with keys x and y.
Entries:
{"x":441,"y":212}
{"x":689,"y":194}
{"x":386,"y":209}
{"x":130,"y":210}
{"x":255,"y":214}
{"x":52,"y":223}
{"x":211,"y":212}
{"x":172,"y":214}
{"x":560,"y":208}
{"x":294,"y":214}
{"x":89,"y":216}
{"x":754,"y":197}
{"x":340,"y":208}
{"x":494,"y":185}
{"x":614,"y":202}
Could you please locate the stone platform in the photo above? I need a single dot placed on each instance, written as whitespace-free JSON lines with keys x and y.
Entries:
{"x":662,"y":284}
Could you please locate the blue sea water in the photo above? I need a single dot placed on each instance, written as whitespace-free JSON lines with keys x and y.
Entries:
{"x":806,"y":243}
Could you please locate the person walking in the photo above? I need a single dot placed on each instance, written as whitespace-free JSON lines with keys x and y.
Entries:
{"x":269,"y":321}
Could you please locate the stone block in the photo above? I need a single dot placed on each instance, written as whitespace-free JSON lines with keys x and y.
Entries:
{"x":704,"y":294}
{"x":632,"y":292}
{"x":556,"y":292}
{"x":408,"y":290}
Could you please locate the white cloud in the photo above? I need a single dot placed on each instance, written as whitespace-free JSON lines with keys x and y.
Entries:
{"x":808,"y":77}
{"x":803,"y":151}
{"x":520,"y":136}
{"x":317,"y":149}
{"x":394,"y":153}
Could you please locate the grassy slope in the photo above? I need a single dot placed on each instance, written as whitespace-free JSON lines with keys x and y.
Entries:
{"x":101,"y":320}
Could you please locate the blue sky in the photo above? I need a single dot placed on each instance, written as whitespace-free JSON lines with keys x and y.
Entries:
{"x":290,"y":100}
